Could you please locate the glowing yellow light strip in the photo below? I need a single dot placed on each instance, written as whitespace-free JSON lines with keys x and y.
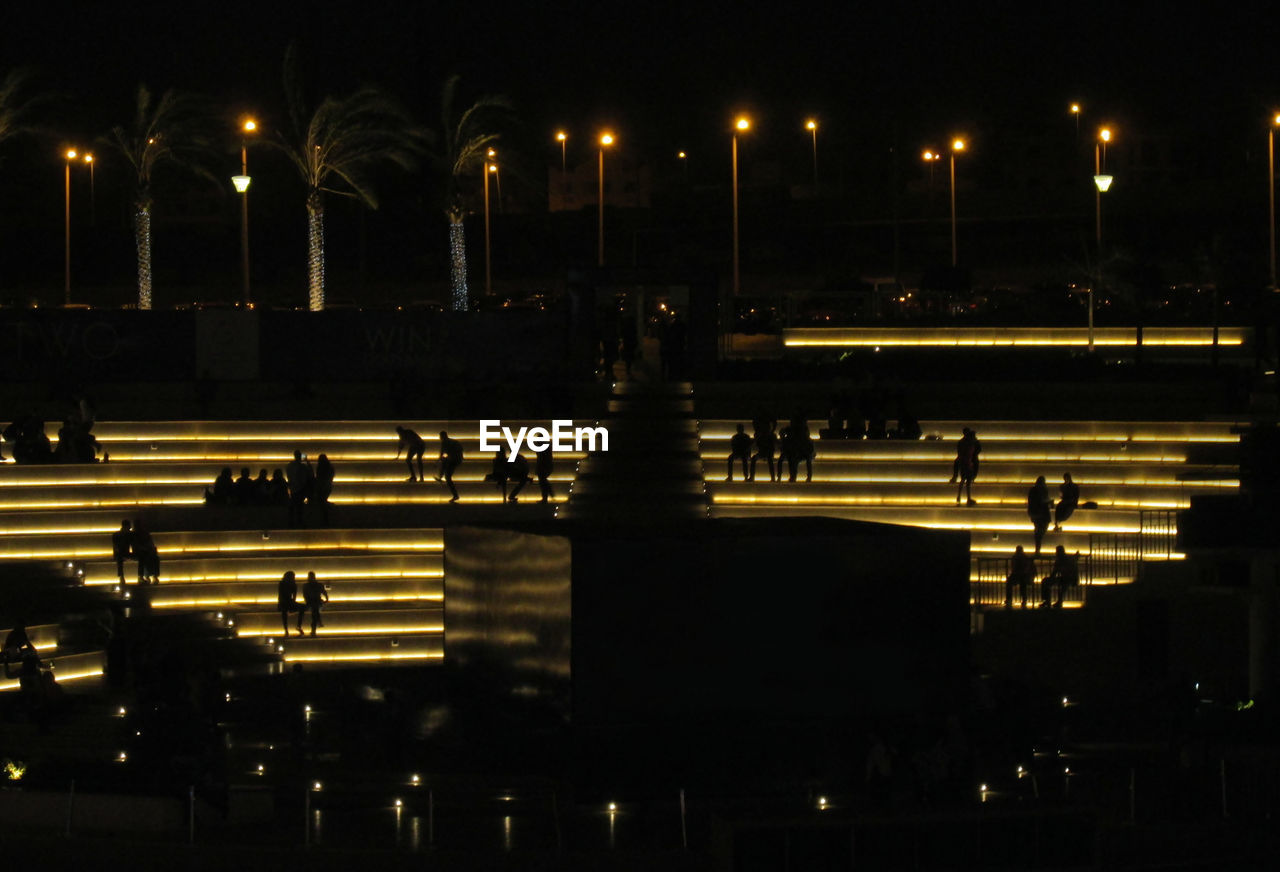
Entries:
{"x":1072,"y":337}
{"x":353,"y":658}
{"x":909,"y":500}
{"x":203,"y":481}
{"x":61,"y":678}
{"x":271,"y":600}
{"x":991,"y":479}
{"x":906,"y":520}
{"x":335,"y":575}
{"x":353,"y":631}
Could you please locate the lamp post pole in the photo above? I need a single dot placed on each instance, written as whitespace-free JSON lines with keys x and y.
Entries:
{"x":1271,"y":193}
{"x":742,"y":124}
{"x":812,"y":127}
{"x":956,"y":145}
{"x":605,"y":140}
{"x":66,"y":224}
{"x":488,"y":283}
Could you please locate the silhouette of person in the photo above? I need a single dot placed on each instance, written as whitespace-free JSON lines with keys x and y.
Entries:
{"x":1022,"y":574}
{"x":1038,"y":509}
{"x":144,"y":548}
{"x":1064,"y":573}
{"x":450,"y":460}
{"x":412,"y":444}
{"x":313,"y":595}
{"x":797,"y":445}
{"x":242,"y":491}
{"x":518,"y":471}
{"x":17,"y":643}
{"x":279,"y":494}
{"x":740,"y":449}
{"x":323,"y":486}
{"x":287,"y":599}
{"x":498,"y":472}
{"x":766,"y":446}
{"x":262,"y":489}
{"x":1068,"y":499}
{"x":223,"y":488}
{"x":543,"y":467}
{"x":122,"y":547}
{"x":300,"y":477}
{"x":965,"y":466}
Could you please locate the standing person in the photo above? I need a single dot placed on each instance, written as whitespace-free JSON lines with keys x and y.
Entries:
{"x":144,"y":548}
{"x":498,"y":472}
{"x":323,"y":486}
{"x":740,"y":449}
{"x":450,"y":460}
{"x":415,"y":447}
{"x":542,"y":467}
{"x":300,"y":477}
{"x":766,"y":445}
{"x":1022,"y":574}
{"x":313,"y":595}
{"x":801,"y":446}
{"x":965,"y":466}
{"x":1068,"y":499}
{"x":122,"y":546}
{"x":287,"y":599}
{"x":1038,"y":509}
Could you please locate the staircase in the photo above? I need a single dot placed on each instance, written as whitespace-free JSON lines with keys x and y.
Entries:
{"x":652,"y":471}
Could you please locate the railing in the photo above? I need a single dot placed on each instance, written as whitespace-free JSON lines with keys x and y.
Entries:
{"x":1158,"y":532}
{"x":992,"y":587}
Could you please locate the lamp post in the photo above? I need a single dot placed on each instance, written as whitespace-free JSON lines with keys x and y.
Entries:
{"x":562,"y":137}
{"x":241,"y":183}
{"x":931,"y":158}
{"x":69,"y":156}
{"x":93,"y":205}
{"x":812,"y":126}
{"x":683,"y":157}
{"x":1271,"y":191}
{"x":489,"y":169}
{"x":606,"y":140}
{"x":1074,"y":109}
{"x":957,"y":145}
{"x":1101,"y":182}
{"x":742,"y":125}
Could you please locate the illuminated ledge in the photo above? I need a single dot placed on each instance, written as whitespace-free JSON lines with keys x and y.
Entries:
{"x":67,"y":669}
{"x":426,"y":656}
{"x":1037,"y":431}
{"x":1009,"y":337}
{"x":222,"y":599}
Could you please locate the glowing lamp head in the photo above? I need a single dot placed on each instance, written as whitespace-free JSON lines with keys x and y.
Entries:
{"x":1276,"y":120}
{"x":606,"y":139}
{"x":493,"y":168}
{"x":88,"y":158}
{"x":1105,"y":134}
{"x":241,"y":183}
{"x":1075,"y":108}
{"x":561,"y":136}
{"x":811,"y":125}
{"x":681,"y":155}
{"x":743,"y":123}
{"x":71,"y":154}
{"x":929,"y":155}
{"x":1103,"y":182}
{"x":249,"y":125}
{"x":957,"y":144}
{"x":492,"y":153}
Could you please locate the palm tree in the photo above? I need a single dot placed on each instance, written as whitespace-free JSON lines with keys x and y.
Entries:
{"x":173,"y":129}
{"x":16,"y":104}
{"x":465,"y":144}
{"x":339,"y":143}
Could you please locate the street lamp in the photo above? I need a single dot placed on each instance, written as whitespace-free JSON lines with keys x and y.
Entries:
{"x":606,"y":140}
{"x":931,"y":157}
{"x":93,"y":205}
{"x":1074,"y":108}
{"x":957,"y":145}
{"x":812,"y":126}
{"x":69,"y":156}
{"x":489,"y":169}
{"x":241,"y":183}
{"x":562,"y":137}
{"x":1101,"y":181}
{"x":742,"y":125}
{"x":1271,"y":190}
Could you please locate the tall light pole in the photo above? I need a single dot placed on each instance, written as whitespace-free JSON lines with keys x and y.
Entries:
{"x":742,"y":125}
{"x":241,"y":183}
{"x":812,"y":126}
{"x":957,"y":145}
{"x":489,"y":169}
{"x":69,"y":156}
{"x":562,"y":137}
{"x":1271,"y":190}
{"x":1074,"y":109}
{"x":606,"y":140}
{"x":1101,"y":182}
{"x":93,"y":196}
{"x":931,"y":157}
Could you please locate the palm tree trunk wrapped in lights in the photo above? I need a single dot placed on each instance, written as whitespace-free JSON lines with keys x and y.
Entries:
{"x":458,"y":259}
{"x":142,"y":239}
{"x":315,"y":251}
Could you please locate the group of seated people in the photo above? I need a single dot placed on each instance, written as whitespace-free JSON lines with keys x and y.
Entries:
{"x":248,"y":491}
{"x":76,"y":442}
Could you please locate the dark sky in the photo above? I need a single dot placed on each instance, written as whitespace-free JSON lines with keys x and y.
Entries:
{"x":672,"y":72}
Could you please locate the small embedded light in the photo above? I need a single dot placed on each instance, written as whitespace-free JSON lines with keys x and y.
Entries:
{"x":613,"y":806}
{"x":822,"y":803}
{"x":228,"y":696}
{"x":137,"y":732}
{"x":316,"y":785}
{"x":1066,"y":770}
{"x":982,"y":787}
{"x":122,"y":757}
{"x":307,"y":709}
{"x":121,"y":711}
{"x":261,"y":769}
{"x":399,"y":803}
{"x":219,"y":616}
{"x":1065,"y":702}
{"x":279,"y":649}
{"x":415,"y":778}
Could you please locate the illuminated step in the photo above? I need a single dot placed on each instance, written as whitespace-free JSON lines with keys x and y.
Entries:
{"x":106,"y":496}
{"x":68,"y":669}
{"x":87,"y":546}
{"x":272,"y":567}
{"x":347,"y":622}
{"x":350,"y":650}
{"x":943,"y":451}
{"x":272,"y":454}
{"x":43,"y":636}
{"x":948,"y":518}
{"x":234,"y":596}
{"x":1032,"y":431}
{"x":465,"y":431}
{"x":932,"y":471}
{"x":941,"y":493}
{"x":1188,"y":338}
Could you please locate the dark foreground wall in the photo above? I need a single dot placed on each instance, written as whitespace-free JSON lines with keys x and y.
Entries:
{"x":784,"y":618}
